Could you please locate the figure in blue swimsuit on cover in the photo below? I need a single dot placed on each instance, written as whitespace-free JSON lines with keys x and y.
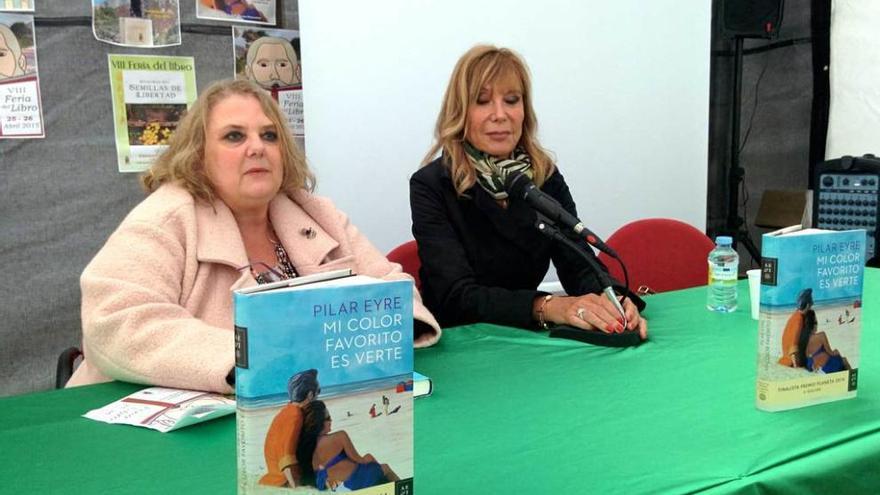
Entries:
{"x":364,"y":475}
{"x":334,"y":459}
{"x":813,"y":348}
{"x":832,"y":364}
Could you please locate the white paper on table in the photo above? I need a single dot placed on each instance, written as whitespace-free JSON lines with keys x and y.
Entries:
{"x":164,"y":409}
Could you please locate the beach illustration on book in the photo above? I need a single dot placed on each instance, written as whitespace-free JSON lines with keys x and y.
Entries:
{"x":813,"y":338}
{"x":333,"y":430}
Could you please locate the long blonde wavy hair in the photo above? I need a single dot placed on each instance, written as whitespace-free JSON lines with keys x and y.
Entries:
{"x":183,"y":160}
{"x":480,"y":66}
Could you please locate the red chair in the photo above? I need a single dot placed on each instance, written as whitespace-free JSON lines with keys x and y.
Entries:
{"x":407,"y":255}
{"x":660,"y":254}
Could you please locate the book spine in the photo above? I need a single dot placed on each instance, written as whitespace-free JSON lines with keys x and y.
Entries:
{"x":240,"y":328}
{"x":769,"y":274}
{"x":241,"y":358}
{"x":241,"y":455}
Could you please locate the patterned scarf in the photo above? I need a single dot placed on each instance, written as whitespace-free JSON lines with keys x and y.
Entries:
{"x":492,"y":171}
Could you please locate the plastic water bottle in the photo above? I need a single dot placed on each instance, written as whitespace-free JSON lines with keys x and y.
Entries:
{"x":723,"y":269}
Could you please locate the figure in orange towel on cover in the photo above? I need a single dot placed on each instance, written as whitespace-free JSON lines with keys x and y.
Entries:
{"x":282,"y":438}
{"x":794,"y":326}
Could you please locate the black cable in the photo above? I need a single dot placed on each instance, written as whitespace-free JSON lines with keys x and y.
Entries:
{"x":754,"y":106}
{"x":625,"y":273}
{"x":549,"y":229}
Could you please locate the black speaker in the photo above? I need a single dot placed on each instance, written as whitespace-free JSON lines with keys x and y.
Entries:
{"x":751,"y":18}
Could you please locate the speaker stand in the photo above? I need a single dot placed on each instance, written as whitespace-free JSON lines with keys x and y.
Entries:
{"x":735,"y":224}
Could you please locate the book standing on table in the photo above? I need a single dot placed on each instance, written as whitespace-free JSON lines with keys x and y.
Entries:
{"x":810,"y":317}
{"x":324,"y":387}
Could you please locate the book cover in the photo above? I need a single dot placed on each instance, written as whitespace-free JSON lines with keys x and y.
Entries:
{"x":150,"y":97}
{"x":810,"y":317}
{"x":323,"y":386}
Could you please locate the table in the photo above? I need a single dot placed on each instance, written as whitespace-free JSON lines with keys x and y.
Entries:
{"x":517,"y":412}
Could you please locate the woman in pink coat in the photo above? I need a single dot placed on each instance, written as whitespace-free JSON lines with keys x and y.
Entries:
{"x":230,"y":205}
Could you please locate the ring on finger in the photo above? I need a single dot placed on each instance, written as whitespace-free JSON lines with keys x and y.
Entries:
{"x":580,"y":313}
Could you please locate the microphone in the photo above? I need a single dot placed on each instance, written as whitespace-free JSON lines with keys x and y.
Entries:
{"x":518,"y":184}
{"x":548,"y":228}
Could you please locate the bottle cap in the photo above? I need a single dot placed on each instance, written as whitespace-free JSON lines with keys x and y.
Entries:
{"x":724,"y":240}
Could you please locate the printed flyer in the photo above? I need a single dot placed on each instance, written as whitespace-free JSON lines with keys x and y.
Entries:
{"x":150,"y":96}
{"x":270,"y":57}
{"x":21,"y":110}
{"x":17,"y":5}
{"x":251,"y":11}
{"x":143,"y":23}
{"x":164,"y":409}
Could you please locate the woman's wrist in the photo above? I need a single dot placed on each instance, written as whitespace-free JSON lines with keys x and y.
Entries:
{"x":546,"y":308}
{"x":539,"y":310}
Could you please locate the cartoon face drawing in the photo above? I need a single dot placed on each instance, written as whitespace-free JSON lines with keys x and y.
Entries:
{"x":12,"y":61}
{"x":272,"y":63}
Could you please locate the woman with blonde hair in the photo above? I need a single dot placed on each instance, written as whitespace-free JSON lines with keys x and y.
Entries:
{"x":230,"y":205}
{"x":482,"y":258}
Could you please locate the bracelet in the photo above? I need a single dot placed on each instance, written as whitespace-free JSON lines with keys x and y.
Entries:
{"x":541,"y":320}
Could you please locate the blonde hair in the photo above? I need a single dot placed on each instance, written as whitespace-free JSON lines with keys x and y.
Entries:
{"x":478,"y":67}
{"x":183,"y":160}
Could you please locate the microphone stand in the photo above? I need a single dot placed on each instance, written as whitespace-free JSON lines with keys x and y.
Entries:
{"x":549,"y":229}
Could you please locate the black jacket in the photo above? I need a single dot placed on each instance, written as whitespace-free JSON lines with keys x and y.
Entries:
{"x":481,"y":262}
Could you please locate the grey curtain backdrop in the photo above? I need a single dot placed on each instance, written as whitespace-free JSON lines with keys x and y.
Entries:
{"x":61,"y":197}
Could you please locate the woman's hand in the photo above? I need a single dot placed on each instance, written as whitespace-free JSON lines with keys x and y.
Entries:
{"x":634,"y":320}
{"x":593,"y":312}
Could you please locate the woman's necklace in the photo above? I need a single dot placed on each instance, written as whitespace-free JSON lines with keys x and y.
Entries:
{"x":281,"y":255}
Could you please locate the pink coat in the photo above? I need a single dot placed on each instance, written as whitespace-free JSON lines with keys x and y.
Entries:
{"x":156,"y":301}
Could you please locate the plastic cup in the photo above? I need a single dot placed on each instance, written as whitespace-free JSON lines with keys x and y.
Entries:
{"x":755,"y":290}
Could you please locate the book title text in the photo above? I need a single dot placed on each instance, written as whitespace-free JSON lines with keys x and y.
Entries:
{"x":365,"y":331}
{"x":838,"y":264}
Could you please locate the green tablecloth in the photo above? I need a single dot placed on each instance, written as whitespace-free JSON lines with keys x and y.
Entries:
{"x":516,"y":412}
